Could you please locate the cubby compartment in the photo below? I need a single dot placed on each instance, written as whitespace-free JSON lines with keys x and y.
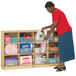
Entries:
{"x":11,"y":61}
{"x":40,"y":59}
{"x":11,"y":37}
{"x":55,"y":36}
{"x":53,"y":47}
{"x":26,"y":37}
{"x":26,"y":48}
{"x":40,"y":48}
{"x":51,"y":37}
{"x":26,"y":59}
{"x":39,"y":37}
{"x":53,"y":58}
{"x":11,"y":49}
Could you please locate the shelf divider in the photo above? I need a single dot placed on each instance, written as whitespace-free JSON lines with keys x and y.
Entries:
{"x":2,"y":50}
{"x":47,"y":53}
{"x":18,"y":48}
{"x":33,"y":47}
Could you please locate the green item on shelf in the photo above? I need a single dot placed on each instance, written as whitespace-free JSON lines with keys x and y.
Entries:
{"x":14,"y":40}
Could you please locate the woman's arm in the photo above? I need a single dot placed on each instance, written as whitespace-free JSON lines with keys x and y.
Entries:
{"x":53,"y":26}
{"x":46,"y":27}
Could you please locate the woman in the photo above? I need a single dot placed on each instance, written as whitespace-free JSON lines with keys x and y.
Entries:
{"x":64,"y":30}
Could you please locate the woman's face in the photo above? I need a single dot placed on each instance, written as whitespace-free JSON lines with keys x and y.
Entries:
{"x":49,"y":9}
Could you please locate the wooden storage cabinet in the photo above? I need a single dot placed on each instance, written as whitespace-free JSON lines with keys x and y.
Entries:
{"x":16,"y":36}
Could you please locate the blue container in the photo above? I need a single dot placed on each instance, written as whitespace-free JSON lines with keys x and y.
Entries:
{"x":26,"y":48}
{"x":26,"y":39}
{"x":52,"y":60}
{"x":14,"y":40}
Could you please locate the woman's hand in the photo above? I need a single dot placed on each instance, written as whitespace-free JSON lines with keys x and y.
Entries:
{"x":46,"y":37}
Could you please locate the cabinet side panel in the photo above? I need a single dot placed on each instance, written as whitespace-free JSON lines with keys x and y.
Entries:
{"x":2,"y":49}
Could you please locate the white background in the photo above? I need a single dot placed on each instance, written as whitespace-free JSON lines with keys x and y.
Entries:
{"x":31,"y":14}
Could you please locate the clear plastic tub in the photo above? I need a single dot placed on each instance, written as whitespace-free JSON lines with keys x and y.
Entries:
{"x":41,"y":41}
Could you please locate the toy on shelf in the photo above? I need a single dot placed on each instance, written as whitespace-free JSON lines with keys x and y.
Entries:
{"x":41,"y":48}
{"x":55,"y":38}
{"x":53,"y":44}
{"x":53,"y":47}
{"x":9,"y":39}
{"x":52,"y":51}
{"x":11,"y":61}
{"x":11,"y":49}
{"x":25,"y":34}
{"x":56,"y":55}
{"x":40,"y":59}
{"x":37,"y":50}
{"x":26,"y":60}
{"x":51,"y":38}
{"x":14,"y":39}
{"x":52,"y":60}
{"x":39,"y":37}
{"x":25,"y":37}
{"x":26,"y":48}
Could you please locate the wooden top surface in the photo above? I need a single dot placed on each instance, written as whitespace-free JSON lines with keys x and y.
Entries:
{"x":12,"y":31}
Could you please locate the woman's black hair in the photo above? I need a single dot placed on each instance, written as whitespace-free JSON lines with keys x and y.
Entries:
{"x":49,"y":4}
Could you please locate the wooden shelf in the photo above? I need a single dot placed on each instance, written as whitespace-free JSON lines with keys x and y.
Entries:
{"x":40,"y":53}
{"x":11,"y":55}
{"x":17,"y":32}
{"x":53,"y":52}
{"x":30,"y":53}
{"x":27,"y":54}
{"x":29,"y":42}
{"x":30,"y":66}
{"x":53,"y":41}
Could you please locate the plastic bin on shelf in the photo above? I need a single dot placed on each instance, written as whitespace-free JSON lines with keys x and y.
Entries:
{"x":40,"y":59}
{"x":26,"y":48}
{"x":14,"y":39}
{"x":26,"y":39}
{"x":52,"y":60}
{"x":26,"y":60}
{"x":41,"y":41}
{"x":11,"y":49}
{"x":11,"y":61}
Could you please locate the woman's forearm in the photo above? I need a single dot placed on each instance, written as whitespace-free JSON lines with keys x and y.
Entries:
{"x":51,"y":30}
{"x":48,"y":26}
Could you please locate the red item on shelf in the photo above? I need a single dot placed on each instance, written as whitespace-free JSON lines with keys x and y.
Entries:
{"x":26,"y":35}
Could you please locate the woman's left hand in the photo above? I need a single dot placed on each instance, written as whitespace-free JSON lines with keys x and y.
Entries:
{"x":46,"y":37}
